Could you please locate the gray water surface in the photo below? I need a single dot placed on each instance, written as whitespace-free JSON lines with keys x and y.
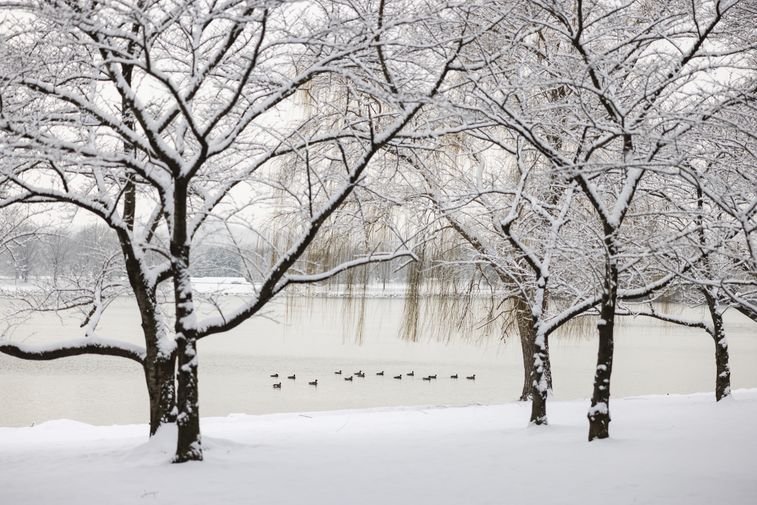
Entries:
{"x":313,"y":337}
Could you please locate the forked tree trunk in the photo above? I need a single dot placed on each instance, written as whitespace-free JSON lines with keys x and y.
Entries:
{"x":722,"y":366}
{"x":159,"y":368}
{"x":599,"y":412}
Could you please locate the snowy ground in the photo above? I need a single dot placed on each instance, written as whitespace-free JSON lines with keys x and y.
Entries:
{"x":664,"y":450}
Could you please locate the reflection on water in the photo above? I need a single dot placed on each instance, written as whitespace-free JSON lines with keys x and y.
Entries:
{"x":313,"y":337}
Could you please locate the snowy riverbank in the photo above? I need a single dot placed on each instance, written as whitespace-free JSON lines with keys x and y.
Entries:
{"x":664,"y":450}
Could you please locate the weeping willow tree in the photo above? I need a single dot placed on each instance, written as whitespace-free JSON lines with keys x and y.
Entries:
{"x":448,"y":298}
{"x":474,"y":280}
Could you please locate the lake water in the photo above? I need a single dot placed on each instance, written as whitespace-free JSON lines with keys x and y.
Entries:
{"x":313,"y":337}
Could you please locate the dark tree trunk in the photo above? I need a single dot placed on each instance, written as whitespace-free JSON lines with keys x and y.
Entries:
{"x":539,"y":386}
{"x":189,"y":444}
{"x":161,"y":388}
{"x":527,"y":332}
{"x":159,"y":369}
{"x":722,"y":366}
{"x":547,"y":364}
{"x":527,"y":335}
{"x":599,"y":412}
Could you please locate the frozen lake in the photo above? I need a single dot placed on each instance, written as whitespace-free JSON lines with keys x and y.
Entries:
{"x":310,"y":338}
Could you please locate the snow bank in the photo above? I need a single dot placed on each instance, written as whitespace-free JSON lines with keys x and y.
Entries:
{"x":665,"y":450}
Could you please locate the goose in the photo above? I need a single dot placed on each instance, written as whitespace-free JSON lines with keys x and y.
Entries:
{"x":453,"y":376}
{"x":471,"y":377}
{"x":358,"y":372}
{"x":348,"y":378}
{"x":380,"y":373}
{"x":313,"y":383}
{"x":432,"y":376}
{"x":427,"y":378}
{"x":274,"y":375}
{"x":398,"y":376}
{"x":361,"y":374}
{"x":411,"y":374}
{"x":292,"y":377}
{"x":277,"y":385}
{"x":338,"y":372}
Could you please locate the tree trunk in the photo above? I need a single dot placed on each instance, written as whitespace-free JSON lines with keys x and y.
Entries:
{"x":722,"y":366}
{"x":527,"y":332}
{"x":539,"y":387}
{"x":547,"y":364}
{"x":599,"y":412}
{"x":160,"y":374}
{"x":527,"y":336}
{"x":161,"y":389}
{"x":189,"y":444}
{"x":159,"y":367}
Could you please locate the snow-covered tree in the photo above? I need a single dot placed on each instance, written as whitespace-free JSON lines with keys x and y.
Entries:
{"x":163,"y":118}
{"x":626,"y":83}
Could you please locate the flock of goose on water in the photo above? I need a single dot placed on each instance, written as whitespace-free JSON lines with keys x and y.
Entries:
{"x":361,"y":374}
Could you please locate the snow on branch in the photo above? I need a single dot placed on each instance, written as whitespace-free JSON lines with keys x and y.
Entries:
{"x":75,"y":347}
{"x":623,"y":294}
{"x":322,"y":276}
{"x":668,"y":318}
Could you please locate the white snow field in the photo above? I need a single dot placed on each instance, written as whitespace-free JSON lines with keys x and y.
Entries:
{"x":664,"y":450}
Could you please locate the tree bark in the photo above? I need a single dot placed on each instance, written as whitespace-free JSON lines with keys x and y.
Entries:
{"x":599,"y":412}
{"x":539,"y":386}
{"x":722,"y":365}
{"x":748,"y":312}
{"x":189,"y":443}
{"x":161,"y":389}
{"x":159,"y":368}
{"x":547,"y":364}
{"x":527,"y":336}
{"x":527,"y":332}
{"x":159,"y":365}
